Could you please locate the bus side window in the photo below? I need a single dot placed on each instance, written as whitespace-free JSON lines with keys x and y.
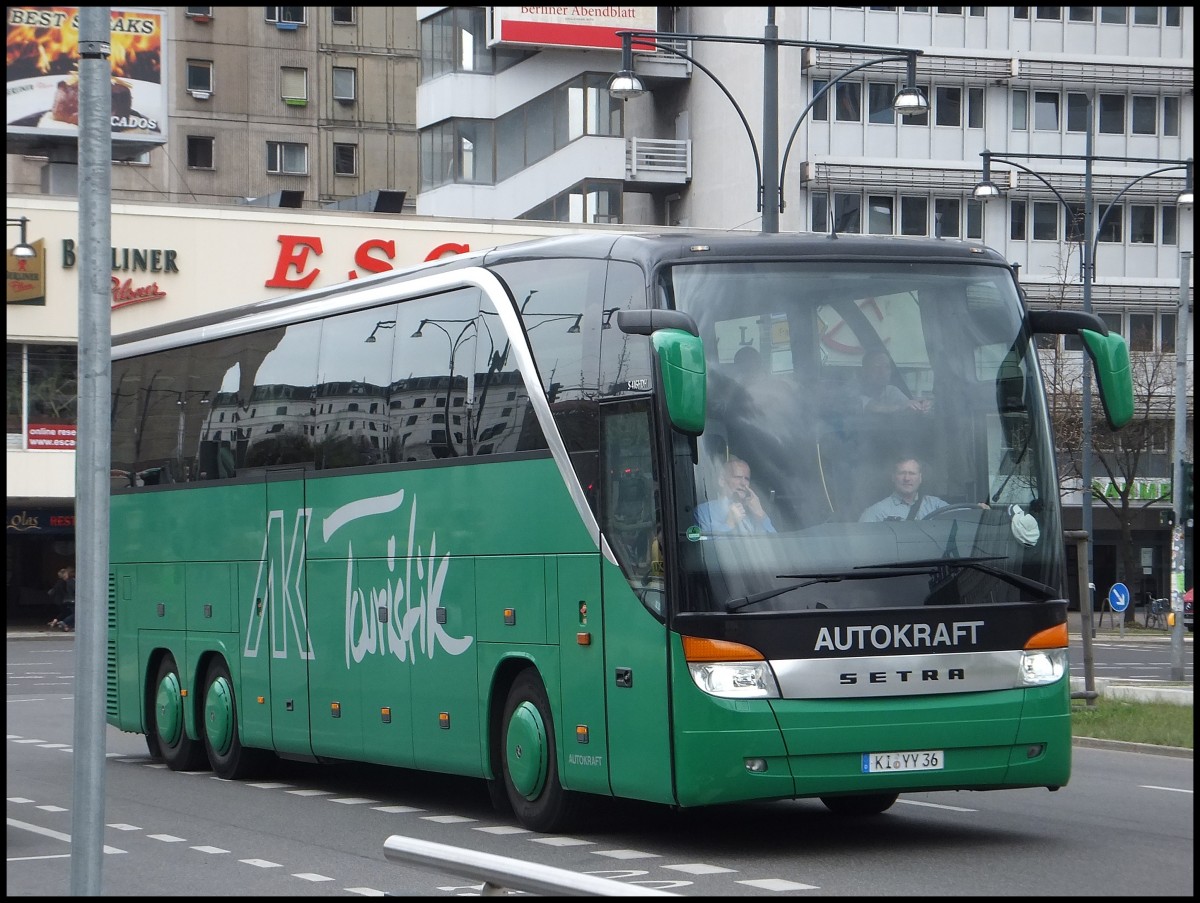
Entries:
{"x":629,"y":496}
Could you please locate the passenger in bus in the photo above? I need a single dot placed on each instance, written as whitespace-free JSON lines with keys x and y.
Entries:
{"x":738,"y":509}
{"x":877,"y":392}
{"x":906,"y":501}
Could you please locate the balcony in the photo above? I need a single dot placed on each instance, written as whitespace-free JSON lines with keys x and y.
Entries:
{"x":659,"y":161}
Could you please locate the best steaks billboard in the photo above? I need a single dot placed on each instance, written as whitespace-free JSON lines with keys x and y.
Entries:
{"x":42,"y":105}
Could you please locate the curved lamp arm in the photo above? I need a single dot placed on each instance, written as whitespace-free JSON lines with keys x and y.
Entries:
{"x":1107,"y":210}
{"x":820,"y":94}
{"x":633,"y":39}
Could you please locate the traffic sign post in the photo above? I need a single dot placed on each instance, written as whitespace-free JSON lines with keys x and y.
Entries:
{"x":1118,"y":601}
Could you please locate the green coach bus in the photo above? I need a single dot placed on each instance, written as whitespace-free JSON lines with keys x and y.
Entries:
{"x":450,"y":518}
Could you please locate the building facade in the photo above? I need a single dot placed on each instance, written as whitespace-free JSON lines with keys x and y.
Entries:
{"x":350,"y":119}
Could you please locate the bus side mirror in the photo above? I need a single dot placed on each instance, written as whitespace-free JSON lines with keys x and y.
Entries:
{"x":683,"y":374}
{"x":1114,"y":377}
{"x":1109,"y":354}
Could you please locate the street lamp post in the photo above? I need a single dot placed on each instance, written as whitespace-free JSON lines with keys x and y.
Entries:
{"x":625,"y":85}
{"x":1089,"y":238}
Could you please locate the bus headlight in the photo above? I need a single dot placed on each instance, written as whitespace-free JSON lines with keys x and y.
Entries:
{"x":1042,"y":666}
{"x":735,"y":680}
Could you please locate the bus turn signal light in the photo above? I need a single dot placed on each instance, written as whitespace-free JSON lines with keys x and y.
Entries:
{"x":701,"y":649}
{"x":1051,"y":638}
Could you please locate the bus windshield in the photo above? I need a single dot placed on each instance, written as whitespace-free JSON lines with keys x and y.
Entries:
{"x":876,"y":437}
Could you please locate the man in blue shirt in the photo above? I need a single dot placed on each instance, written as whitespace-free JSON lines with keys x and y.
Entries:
{"x":738,"y":510}
{"x":906,"y":502}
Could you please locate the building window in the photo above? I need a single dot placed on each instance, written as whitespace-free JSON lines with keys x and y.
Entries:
{"x":1142,"y":219}
{"x":1049,"y":13}
{"x":947,"y":213}
{"x":42,"y":391}
{"x":1143,"y":115}
{"x":820,"y":107}
{"x":914,"y":216}
{"x":199,"y":76}
{"x":1080,"y":13}
{"x":879,"y":102}
{"x":1112,"y":114}
{"x":1017,"y":211}
{"x":1166,"y":333}
{"x":345,"y":159}
{"x":1113,"y":15}
{"x":847,"y":213}
{"x":1078,"y":111}
{"x":203,"y":13}
{"x":1170,"y":117}
{"x":1045,"y":220}
{"x":458,"y":150}
{"x":948,"y":106}
{"x":200,"y":152}
{"x":285,"y":158}
{"x":286,"y":14}
{"x":975,"y":104}
{"x":1045,"y":111}
{"x":1020,"y":110}
{"x":344,"y":85}
{"x":849,"y":102}
{"x":1109,"y":223}
{"x":1170,"y":224}
{"x":455,"y":40}
{"x":1145,"y":15}
{"x":880,"y":214}
{"x":975,"y":219}
{"x":1141,"y":332}
{"x":342,"y":15}
{"x":293,"y":84}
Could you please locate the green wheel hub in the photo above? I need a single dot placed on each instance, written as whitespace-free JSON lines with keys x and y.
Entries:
{"x":527,"y":753}
{"x":218,"y":715}
{"x":168,"y":710}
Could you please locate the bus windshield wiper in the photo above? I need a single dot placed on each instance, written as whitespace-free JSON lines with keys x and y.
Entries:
{"x":809,"y":579}
{"x":929,"y":565}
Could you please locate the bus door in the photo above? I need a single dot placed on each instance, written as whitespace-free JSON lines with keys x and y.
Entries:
{"x":277,"y":644}
{"x":635,"y":638}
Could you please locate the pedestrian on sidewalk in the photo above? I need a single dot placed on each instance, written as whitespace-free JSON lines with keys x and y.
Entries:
{"x":63,"y":594}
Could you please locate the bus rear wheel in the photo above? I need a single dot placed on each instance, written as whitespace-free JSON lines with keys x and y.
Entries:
{"x":866,"y":804}
{"x":178,"y":750}
{"x":228,"y":758}
{"x":528,"y":758}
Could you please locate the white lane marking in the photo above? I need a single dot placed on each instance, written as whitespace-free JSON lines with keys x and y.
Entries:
{"x":167,"y":838}
{"x":53,"y":809}
{"x":562,"y":841}
{"x":309,"y":792}
{"x":699,"y":868}
{"x":352,"y":800}
{"x":261,"y":863}
{"x":365,"y":891}
{"x":1168,"y":789}
{"x":310,"y":876}
{"x":936,"y":805}
{"x":626,"y":854}
{"x":778,"y":884}
{"x":502,"y":829}
{"x":397,"y":810}
{"x":447,"y":819}
{"x":53,"y":835}
{"x":207,"y":849}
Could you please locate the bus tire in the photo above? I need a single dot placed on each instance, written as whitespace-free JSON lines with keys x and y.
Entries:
{"x":178,"y":750}
{"x":528,"y":758}
{"x":865,"y":804}
{"x":228,"y":758}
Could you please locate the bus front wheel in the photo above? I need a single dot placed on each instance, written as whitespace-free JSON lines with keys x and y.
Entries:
{"x":228,"y":758}
{"x":866,"y":804}
{"x":178,"y":750}
{"x":528,"y":758}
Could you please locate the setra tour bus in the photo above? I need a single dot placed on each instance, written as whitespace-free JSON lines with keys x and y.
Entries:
{"x":530,"y":515}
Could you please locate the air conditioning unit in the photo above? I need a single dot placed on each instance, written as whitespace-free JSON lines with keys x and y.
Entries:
{"x":200,"y":95}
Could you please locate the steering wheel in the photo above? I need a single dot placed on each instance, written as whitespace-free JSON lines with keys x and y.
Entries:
{"x":946,"y":510}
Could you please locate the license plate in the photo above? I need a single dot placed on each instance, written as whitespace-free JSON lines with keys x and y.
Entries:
{"x":918,"y":760}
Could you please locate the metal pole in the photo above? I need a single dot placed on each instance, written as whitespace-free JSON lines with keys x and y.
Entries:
{"x":1088,"y":264}
{"x":1085,"y":617}
{"x":92,"y":451}
{"x":1183,"y":334}
{"x":770,"y":151}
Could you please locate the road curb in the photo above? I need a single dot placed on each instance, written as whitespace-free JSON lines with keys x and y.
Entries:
{"x":1178,"y":752}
